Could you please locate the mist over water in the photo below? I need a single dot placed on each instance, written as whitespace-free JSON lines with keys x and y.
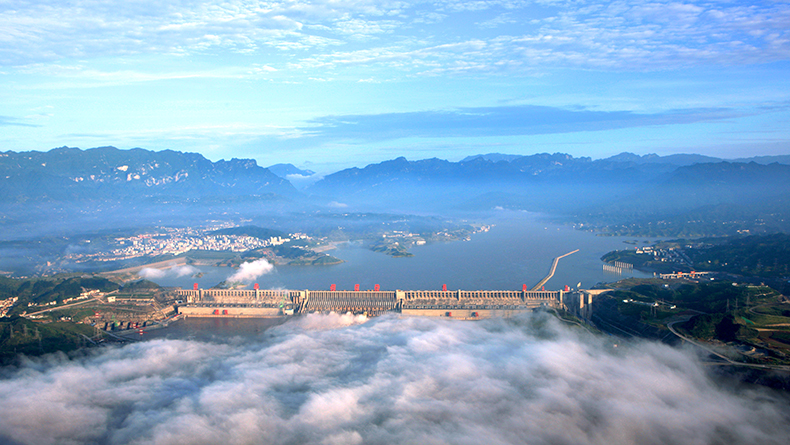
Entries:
{"x":250,"y":270}
{"x":331,"y":379}
{"x":178,"y":272}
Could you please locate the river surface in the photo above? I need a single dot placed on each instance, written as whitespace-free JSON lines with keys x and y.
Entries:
{"x":517,"y":250}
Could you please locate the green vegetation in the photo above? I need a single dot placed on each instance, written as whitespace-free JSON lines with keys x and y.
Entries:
{"x":22,"y":336}
{"x":324,"y":260}
{"x":299,"y":256}
{"x":628,"y":256}
{"x":783,"y":337}
{"x":709,"y":297}
{"x":140,"y":285}
{"x":753,"y":317}
{"x":765,"y":256}
{"x":641,"y":261}
{"x":46,"y":290}
{"x":290,"y":252}
{"x":704,"y":221}
{"x":760,"y":256}
{"x":74,"y":313}
{"x":770,"y":310}
{"x":719,"y":326}
{"x":394,"y":249}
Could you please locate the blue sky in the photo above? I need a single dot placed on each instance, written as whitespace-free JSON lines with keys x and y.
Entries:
{"x":339,"y":83}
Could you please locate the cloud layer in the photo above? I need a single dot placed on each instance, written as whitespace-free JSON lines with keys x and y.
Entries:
{"x":490,"y":35}
{"x":328,"y":379}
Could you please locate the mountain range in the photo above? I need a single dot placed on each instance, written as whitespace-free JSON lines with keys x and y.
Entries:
{"x":490,"y":170}
{"x":72,"y":185}
{"x":688,"y":195}
{"x":651,"y":158}
{"x":107,"y":173}
{"x":554,"y":182}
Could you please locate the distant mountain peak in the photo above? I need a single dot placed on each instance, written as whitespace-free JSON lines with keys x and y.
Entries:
{"x":285,"y":170}
{"x":632,"y":157}
{"x":493,"y":157}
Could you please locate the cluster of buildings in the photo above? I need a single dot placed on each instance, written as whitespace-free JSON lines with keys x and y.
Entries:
{"x":683,"y":275}
{"x":404,"y":236}
{"x":444,"y":235}
{"x":84,"y":296}
{"x":175,"y":244}
{"x":174,"y":241}
{"x":50,"y":303}
{"x":669,"y":255}
{"x":5,"y":306}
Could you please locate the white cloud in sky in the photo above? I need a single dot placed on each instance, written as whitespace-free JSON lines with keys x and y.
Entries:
{"x":621,"y":34}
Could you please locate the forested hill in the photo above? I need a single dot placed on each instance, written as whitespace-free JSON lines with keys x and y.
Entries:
{"x":763,"y":256}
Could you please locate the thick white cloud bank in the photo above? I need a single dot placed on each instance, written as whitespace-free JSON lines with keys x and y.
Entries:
{"x":327,"y":379}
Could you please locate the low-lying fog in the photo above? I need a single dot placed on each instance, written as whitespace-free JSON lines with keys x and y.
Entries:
{"x":329,"y":379}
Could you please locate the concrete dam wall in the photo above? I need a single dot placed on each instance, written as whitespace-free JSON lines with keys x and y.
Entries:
{"x":446,"y":303}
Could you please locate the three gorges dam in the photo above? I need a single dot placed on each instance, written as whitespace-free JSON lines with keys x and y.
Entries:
{"x":460,"y":304}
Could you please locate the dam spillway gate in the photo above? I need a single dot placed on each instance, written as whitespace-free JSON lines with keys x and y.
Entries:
{"x":450,"y":303}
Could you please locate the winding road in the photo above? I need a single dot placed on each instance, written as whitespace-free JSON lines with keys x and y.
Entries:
{"x":728,"y":361}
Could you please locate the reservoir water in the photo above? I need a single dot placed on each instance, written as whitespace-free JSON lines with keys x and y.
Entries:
{"x":517,"y":250}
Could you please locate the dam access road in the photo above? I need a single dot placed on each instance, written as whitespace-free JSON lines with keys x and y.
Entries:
{"x":552,"y":270}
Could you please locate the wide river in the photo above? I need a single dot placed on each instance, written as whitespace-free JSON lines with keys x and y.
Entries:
{"x":517,"y":250}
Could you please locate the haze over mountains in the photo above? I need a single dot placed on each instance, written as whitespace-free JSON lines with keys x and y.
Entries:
{"x":68,"y":173}
{"x":623,"y":169}
{"x":167,"y":186}
{"x":651,"y":158}
{"x":67,"y":189}
{"x":617,"y":190}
